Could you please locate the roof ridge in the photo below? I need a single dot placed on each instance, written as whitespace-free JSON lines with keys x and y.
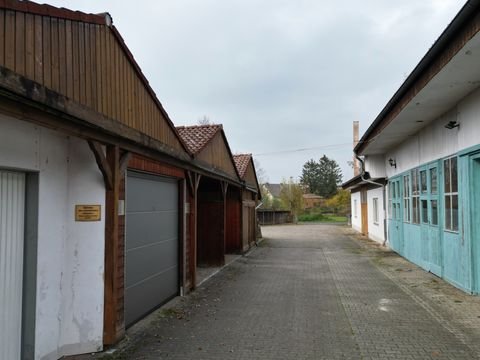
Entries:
{"x":31,"y":7}
{"x":198,"y":126}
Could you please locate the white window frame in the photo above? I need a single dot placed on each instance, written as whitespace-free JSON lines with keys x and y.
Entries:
{"x":355,"y":212}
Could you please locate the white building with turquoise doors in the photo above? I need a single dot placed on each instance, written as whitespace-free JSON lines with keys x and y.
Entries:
{"x":426,"y":144}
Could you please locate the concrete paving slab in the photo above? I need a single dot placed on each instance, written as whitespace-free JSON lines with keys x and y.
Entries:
{"x":315,"y":292}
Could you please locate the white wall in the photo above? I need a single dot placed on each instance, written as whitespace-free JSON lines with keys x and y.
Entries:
{"x":434,"y":141}
{"x":375,"y":166}
{"x":356,"y":211}
{"x":376,"y":230}
{"x":69,"y":315}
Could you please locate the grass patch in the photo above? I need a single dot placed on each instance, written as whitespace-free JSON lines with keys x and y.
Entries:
{"x":317,"y":217}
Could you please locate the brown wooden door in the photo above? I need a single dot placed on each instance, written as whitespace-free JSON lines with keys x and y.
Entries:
{"x":364,"y":205}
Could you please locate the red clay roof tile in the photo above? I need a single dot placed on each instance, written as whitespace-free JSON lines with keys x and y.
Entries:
{"x":241,"y":162}
{"x":198,"y":136}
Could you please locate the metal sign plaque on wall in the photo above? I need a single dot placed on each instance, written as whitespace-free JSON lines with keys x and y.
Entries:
{"x":87,"y":213}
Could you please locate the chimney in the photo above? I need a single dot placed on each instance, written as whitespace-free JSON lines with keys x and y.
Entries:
{"x":356,"y":168}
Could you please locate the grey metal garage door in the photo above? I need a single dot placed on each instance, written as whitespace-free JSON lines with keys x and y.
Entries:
{"x":151,"y":250}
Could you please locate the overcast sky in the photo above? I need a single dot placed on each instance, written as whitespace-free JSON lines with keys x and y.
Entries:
{"x":280,"y":75}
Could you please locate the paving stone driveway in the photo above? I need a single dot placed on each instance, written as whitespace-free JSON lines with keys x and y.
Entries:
{"x":307,"y":292}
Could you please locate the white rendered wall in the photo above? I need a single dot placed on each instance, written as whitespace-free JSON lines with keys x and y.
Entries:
{"x":70,"y":263}
{"x":434,"y":141}
{"x":376,"y":230}
{"x":356,"y":211}
{"x":375,"y":166}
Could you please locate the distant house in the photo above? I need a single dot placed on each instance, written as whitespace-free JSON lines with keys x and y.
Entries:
{"x":273,"y":189}
{"x":311,"y":201}
{"x":421,"y":160}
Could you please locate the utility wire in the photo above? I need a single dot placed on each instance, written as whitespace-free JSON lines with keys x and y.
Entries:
{"x":324,"y":147}
{"x":332,"y":146}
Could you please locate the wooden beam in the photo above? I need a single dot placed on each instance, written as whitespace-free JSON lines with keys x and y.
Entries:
{"x":197,"y":182}
{"x":223,"y":244}
{"x":32,"y":92}
{"x":102,"y":163}
{"x":182,"y":251}
{"x":194,"y":248}
{"x":224,"y":186}
{"x":31,"y":101}
{"x":191,"y":181}
{"x":112,"y":330}
{"x":124,"y":160}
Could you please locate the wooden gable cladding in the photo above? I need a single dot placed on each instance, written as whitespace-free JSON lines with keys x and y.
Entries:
{"x":250,"y":177}
{"x":85,"y":61}
{"x":217,"y":155}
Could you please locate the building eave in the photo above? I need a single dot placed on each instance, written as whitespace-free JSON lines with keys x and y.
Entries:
{"x":460,"y":31}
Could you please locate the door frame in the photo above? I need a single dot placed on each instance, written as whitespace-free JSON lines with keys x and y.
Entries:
{"x":395,"y":215}
{"x":29,"y":278}
{"x":474,"y":212}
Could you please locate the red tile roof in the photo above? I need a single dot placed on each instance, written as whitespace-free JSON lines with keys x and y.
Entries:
{"x":241,"y":162}
{"x":198,"y":136}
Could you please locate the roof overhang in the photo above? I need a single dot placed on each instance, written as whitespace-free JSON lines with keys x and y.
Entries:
{"x":358,"y":182}
{"x":447,"y":73}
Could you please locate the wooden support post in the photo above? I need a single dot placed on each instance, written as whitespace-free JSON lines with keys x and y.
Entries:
{"x":191,"y":181}
{"x":224,"y":186}
{"x":112,"y":330}
{"x":182,"y":253}
{"x":101,"y":160}
{"x":124,"y":160}
{"x":194,"y":182}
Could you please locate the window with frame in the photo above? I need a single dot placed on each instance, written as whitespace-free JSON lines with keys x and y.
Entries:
{"x":433,"y":181}
{"x":390,"y":186}
{"x":423,"y":181}
{"x":415,"y":197}
{"x":375,"y":211}
{"x":433,"y":194}
{"x":355,"y":208}
{"x":424,"y":210}
{"x":450,"y":178}
{"x":434,"y":205}
{"x":406,"y":198}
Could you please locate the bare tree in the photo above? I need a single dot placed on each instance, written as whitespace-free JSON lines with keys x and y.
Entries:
{"x":204,"y":120}
{"x":291,"y":194}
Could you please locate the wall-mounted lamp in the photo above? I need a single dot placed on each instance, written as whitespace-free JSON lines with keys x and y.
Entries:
{"x":392,"y":163}
{"x":451,"y":125}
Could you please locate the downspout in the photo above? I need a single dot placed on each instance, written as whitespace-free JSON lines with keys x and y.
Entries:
{"x":362,"y":176}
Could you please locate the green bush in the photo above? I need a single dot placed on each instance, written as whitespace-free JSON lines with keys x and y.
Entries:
{"x":312,"y":217}
{"x":318,"y":217}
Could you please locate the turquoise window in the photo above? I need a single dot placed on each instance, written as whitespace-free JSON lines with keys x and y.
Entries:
{"x":406,"y":198}
{"x":451,"y":193}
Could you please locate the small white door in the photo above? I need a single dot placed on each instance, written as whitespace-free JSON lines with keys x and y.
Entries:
{"x":12,"y":206}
